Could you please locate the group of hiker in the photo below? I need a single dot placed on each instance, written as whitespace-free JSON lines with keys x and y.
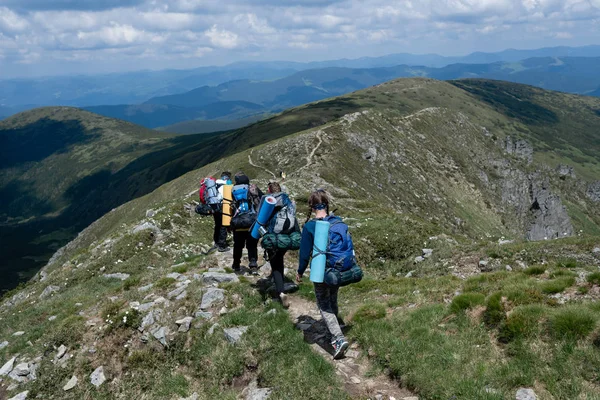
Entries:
{"x":252,"y":216}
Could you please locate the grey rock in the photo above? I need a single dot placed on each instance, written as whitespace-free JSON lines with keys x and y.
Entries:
{"x":194,"y":396}
{"x":182,"y":296}
{"x":61,"y":351}
{"x":233,"y":335}
{"x":253,"y":392}
{"x":97,"y":377}
{"x":596,"y":250}
{"x":13,"y":386}
{"x":184,"y":324}
{"x":3,"y":345}
{"x":593,"y":192}
{"x":19,"y":333}
{"x":49,"y":290}
{"x":419,"y":259}
{"x":209,"y":278}
{"x":176,"y":292}
{"x":147,"y":321}
{"x":145,"y":307}
{"x":161,"y":335}
{"x":146,"y":226}
{"x":21,"y":369}
{"x":145,"y":288}
{"x":519,"y":148}
{"x":52,"y":318}
{"x":174,"y":275}
{"x":508,"y":268}
{"x":71,"y":384}
{"x":565,"y":170}
{"x":203,"y":315}
{"x":548,"y":216}
{"x":502,"y":242}
{"x":410,"y":274}
{"x":150,"y":213}
{"x":427,"y":253}
{"x":525,"y":394}
{"x":117,"y":275}
{"x":7,"y":367}
{"x":272,"y":311}
{"x":20,"y":396}
{"x":216,"y":270}
{"x":212,"y":296}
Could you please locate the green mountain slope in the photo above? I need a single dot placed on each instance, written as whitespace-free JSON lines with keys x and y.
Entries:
{"x":206,"y":126}
{"x":435,"y":180}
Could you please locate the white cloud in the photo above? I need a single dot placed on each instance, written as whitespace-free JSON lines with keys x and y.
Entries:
{"x":11,"y":21}
{"x":222,"y":38}
{"x":114,"y":35}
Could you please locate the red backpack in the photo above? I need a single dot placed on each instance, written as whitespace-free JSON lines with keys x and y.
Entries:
{"x":202,"y":192}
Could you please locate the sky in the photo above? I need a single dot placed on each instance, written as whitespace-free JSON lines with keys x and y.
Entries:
{"x":49,"y":37}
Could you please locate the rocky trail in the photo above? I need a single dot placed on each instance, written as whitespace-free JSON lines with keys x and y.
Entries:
{"x":354,"y":370}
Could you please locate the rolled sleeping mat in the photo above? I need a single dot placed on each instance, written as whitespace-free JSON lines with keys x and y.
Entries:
{"x":227,"y":201}
{"x":264,"y":215}
{"x":319,"y":258}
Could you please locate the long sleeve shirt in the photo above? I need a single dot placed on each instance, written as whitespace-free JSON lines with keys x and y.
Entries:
{"x":306,"y":246}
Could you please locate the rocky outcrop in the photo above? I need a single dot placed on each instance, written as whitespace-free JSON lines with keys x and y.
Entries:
{"x":565,"y":170}
{"x":548,"y":217}
{"x":593,"y":192}
{"x":519,"y":148}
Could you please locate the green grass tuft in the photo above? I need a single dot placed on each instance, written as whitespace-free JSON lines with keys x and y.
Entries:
{"x":557,"y":285}
{"x":594,"y":278}
{"x":572,"y":323}
{"x":369,"y":312}
{"x":465,"y":301}
{"x":535,"y":270}
{"x":494,"y":313}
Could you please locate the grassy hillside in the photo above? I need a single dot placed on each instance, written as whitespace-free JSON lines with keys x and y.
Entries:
{"x":203,"y":126}
{"x":411,"y":164}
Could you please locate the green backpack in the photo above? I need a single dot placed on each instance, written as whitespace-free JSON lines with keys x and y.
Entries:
{"x":278,"y":241}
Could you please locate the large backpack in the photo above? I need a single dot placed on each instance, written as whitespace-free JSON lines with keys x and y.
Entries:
{"x":245,"y":213}
{"x":283,"y":220}
{"x":340,"y":249}
{"x":209,"y":191}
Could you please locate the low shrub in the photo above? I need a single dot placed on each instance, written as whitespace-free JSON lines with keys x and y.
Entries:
{"x":465,"y":301}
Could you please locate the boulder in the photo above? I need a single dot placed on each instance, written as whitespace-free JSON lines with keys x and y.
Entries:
{"x":21,"y":369}
{"x":71,"y":384}
{"x":203,"y":315}
{"x":161,"y":335}
{"x":176,"y":292}
{"x":7,"y":367}
{"x":419,"y":259}
{"x":19,"y":333}
{"x":209,"y":278}
{"x":3,"y":345}
{"x":427,"y":253}
{"x":212,"y":296}
{"x":253,"y":392}
{"x":175,"y":275}
{"x":145,"y":288}
{"x":97,"y":377}
{"x":233,"y":335}
{"x":146,"y":226}
{"x":61,"y":351}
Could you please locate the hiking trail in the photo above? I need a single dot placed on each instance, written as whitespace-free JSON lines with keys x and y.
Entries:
{"x":258,"y":166}
{"x":309,"y":157}
{"x":354,"y":370}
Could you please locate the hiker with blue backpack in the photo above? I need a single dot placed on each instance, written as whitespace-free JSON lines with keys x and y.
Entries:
{"x":246,"y":198}
{"x":339,"y":267}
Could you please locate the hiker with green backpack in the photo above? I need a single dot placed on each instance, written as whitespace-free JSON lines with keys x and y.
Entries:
{"x":281,"y":233}
{"x":246,"y":198}
{"x":340,"y":265}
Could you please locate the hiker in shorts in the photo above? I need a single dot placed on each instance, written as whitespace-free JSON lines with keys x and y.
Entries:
{"x":246,"y":198}
{"x":327,"y":296}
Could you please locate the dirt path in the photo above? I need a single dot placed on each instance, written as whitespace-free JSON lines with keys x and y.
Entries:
{"x":258,"y":166}
{"x":354,"y":370}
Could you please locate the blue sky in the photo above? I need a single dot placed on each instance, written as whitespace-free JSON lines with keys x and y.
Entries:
{"x":46,"y":37}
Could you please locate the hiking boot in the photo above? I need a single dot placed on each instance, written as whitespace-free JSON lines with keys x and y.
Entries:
{"x":339,"y":348}
{"x":223,"y":249}
{"x":212,"y":249}
{"x":236,"y":268}
{"x":285,"y":301}
{"x":253,"y":264}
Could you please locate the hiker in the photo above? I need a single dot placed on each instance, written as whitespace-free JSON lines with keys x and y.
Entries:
{"x":283,"y":222}
{"x":211,"y":193}
{"x":327,"y":295}
{"x":246,"y":198}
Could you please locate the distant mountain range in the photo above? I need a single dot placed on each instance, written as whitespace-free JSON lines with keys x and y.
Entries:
{"x":243,"y":98}
{"x":138,"y":87}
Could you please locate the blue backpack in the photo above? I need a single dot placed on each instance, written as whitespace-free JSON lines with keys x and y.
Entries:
{"x":340,"y":250}
{"x":240,"y":196}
